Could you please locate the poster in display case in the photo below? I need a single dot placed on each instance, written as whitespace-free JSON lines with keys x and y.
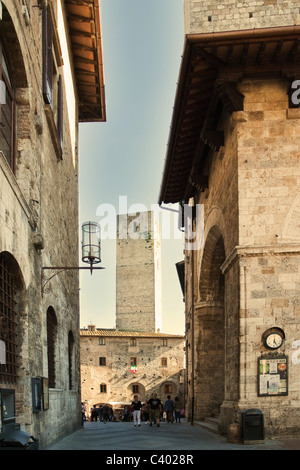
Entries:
{"x":272,"y":376}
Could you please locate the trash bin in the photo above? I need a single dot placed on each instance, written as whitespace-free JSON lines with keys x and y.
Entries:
{"x":18,"y":440}
{"x":253,"y":426}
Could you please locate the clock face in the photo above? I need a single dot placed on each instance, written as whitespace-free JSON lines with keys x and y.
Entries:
{"x":274,"y":340}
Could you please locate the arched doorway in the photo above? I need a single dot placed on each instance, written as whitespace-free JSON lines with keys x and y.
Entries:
{"x":210,"y":329}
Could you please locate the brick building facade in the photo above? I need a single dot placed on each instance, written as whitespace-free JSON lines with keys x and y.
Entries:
{"x":234,"y":150}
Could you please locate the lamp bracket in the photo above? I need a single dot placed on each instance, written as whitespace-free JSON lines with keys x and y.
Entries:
{"x":57,"y":270}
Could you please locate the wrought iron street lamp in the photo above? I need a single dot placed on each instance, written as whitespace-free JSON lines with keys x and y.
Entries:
{"x":91,"y":243}
{"x":91,"y":254}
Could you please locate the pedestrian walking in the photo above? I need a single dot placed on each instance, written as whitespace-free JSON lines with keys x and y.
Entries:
{"x":177,"y":410}
{"x":101,"y":413}
{"x":94,"y":413}
{"x":155,"y":407}
{"x":83,"y":417}
{"x":125,"y":414}
{"x":105,"y":413}
{"x":136,"y":410}
{"x":169,"y":407}
{"x":145,"y":410}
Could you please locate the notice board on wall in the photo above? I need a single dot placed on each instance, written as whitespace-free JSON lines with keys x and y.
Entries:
{"x":272,"y":376}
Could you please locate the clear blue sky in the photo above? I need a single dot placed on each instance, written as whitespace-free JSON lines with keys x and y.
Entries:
{"x":142,"y":47}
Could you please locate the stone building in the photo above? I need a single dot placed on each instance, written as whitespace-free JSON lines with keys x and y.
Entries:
{"x":135,"y":357}
{"x":233,"y":155}
{"x":138,"y":272}
{"x":51,"y":78}
{"x":116,"y":364}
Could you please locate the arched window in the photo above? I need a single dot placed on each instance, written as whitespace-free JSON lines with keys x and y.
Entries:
{"x":71,"y":361}
{"x":10,"y":283}
{"x":51,"y":343}
{"x":7,"y":111}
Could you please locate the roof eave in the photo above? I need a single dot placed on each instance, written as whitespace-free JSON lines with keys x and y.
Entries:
{"x":84,"y":23}
{"x":193,"y":41}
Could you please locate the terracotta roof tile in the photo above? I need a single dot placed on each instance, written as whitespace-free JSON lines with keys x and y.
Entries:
{"x":130,"y":334}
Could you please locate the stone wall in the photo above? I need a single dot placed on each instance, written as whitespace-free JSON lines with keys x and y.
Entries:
{"x":229,"y":15}
{"x":253,"y":200}
{"x":39,"y":227}
{"x":252,"y":206}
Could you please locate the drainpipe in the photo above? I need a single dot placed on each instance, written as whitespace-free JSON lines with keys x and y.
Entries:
{"x":193,"y":341}
{"x":193,"y":335}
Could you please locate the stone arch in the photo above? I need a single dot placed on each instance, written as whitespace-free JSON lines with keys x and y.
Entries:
{"x":211,"y":286}
{"x":51,"y":346}
{"x":71,"y":359}
{"x":167,"y":388}
{"x":14,"y":77}
{"x":210,"y":327}
{"x":141,"y":391}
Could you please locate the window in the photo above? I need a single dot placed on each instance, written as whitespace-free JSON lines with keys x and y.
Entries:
{"x":51,"y":342}
{"x":132,"y":341}
{"x":70,"y":357}
{"x":47,"y":56}
{"x":6,"y":110}
{"x":168,"y":388}
{"x":103,"y":388}
{"x":102,"y":361}
{"x":164,"y":362}
{"x":135,"y":389}
{"x":8,"y":364}
{"x":165,"y":343}
{"x":101,"y":341}
{"x":52,"y":86}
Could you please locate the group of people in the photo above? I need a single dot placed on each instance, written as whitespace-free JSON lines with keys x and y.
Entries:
{"x":104,"y":412}
{"x":152,"y":411}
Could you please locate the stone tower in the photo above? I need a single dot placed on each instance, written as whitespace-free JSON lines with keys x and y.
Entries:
{"x":138,"y":284}
{"x":236,"y":15}
{"x":234,"y":147}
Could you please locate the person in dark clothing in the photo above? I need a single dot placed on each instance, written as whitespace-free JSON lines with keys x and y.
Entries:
{"x":169,"y":407}
{"x":105,"y":411}
{"x":155,"y":406}
{"x":94,"y":413}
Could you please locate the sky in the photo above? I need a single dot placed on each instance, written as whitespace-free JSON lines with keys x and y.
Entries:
{"x":122,"y":159}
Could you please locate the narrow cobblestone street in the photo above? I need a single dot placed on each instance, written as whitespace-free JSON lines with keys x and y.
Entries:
{"x":171,"y":437}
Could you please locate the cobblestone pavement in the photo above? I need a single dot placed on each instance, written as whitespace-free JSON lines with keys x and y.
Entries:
{"x":171,"y":437}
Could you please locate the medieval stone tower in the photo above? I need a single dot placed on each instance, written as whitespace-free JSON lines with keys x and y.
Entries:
{"x":234,"y":147}
{"x":138,"y":283}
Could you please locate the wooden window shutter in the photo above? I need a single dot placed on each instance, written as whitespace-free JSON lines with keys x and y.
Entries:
{"x":60,"y":122}
{"x":47,"y":38}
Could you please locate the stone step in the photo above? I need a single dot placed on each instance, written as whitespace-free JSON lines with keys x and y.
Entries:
{"x":211,"y":423}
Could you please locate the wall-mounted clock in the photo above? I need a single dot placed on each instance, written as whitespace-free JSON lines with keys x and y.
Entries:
{"x":273,"y":338}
